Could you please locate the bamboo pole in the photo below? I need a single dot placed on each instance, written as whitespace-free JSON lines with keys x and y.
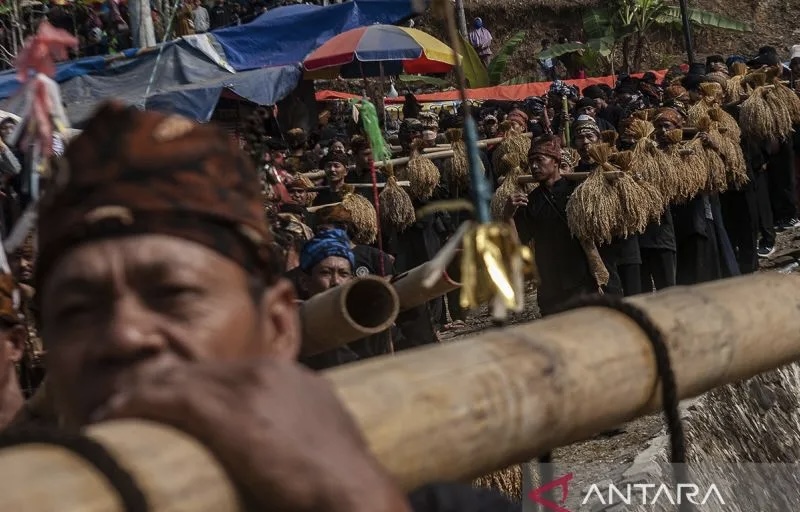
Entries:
{"x":411,"y":288}
{"x":458,"y":410}
{"x":363,"y":307}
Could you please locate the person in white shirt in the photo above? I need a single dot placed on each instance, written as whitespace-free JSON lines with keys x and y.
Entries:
{"x":200,"y":16}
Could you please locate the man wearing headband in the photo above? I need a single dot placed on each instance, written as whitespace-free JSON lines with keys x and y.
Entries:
{"x":161,"y":298}
{"x":12,"y":346}
{"x":585,"y":133}
{"x":621,"y":256}
{"x":335,"y":167}
{"x":541,"y":217}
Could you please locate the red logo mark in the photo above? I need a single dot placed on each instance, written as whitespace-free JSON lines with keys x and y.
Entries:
{"x":536,"y":495}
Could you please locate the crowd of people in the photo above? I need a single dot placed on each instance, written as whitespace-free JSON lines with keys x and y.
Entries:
{"x":104,"y":27}
{"x":161,"y":277}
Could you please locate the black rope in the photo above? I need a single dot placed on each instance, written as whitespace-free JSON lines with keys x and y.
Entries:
{"x":669,"y":391}
{"x":132,"y":497}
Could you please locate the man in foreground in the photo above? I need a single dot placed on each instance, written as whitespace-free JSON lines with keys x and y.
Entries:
{"x":161,"y":299}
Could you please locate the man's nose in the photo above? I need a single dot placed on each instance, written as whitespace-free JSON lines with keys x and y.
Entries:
{"x":131,"y":333}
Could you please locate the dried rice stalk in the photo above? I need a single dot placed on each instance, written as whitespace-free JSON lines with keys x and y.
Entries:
{"x":422,"y":173}
{"x":397,"y":209}
{"x":457,"y":169}
{"x":711,"y":93}
{"x":783,"y":118}
{"x":363,"y":215}
{"x":508,"y":481}
{"x":609,"y":137}
{"x":690,"y":170}
{"x":652,"y":200}
{"x":728,"y":122}
{"x":594,"y":208}
{"x":790,"y":99}
{"x":509,"y":187}
{"x":717,"y":179}
{"x":764,"y":116}
{"x":730,"y":153}
{"x":651,"y":165}
{"x":513,"y":143}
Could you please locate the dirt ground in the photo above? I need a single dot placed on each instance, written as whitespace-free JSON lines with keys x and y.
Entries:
{"x":596,"y":455}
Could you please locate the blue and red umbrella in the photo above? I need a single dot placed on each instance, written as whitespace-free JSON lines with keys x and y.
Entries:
{"x":379,"y":50}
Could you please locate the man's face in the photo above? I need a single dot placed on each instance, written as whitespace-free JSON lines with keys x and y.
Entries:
{"x":517,"y":127}
{"x":490,"y":127}
{"x":588,"y":110}
{"x":6,"y":130}
{"x":121,"y":309}
{"x":585,"y":139}
{"x":337,"y":148}
{"x":663,"y":126}
{"x":543,"y":167}
{"x":336,"y":171}
{"x":328,"y":273}
{"x":364,"y":158}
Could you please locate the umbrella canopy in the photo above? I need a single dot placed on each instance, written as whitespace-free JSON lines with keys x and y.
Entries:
{"x":379,"y":49}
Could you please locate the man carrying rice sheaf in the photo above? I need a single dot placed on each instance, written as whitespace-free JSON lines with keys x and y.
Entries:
{"x":541,"y":217}
{"x":161,"y":299}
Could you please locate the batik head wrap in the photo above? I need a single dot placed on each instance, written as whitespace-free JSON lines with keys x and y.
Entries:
{"x":547,"y":145}
{"x":132,"y":173}
{"x":325,"y":244}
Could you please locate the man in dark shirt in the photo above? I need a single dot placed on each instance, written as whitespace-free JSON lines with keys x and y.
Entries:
{"x":220,"y":15}
{"x":541,"y":217}
{"x":362,"y":158}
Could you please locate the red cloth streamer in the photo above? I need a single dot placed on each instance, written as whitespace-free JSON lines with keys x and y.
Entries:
{"x":38,"y":56}
{"x":42,"y":50}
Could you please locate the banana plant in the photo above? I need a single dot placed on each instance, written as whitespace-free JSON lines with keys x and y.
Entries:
{"x":477,"y":74}
{"x":499,"y":63}
{"x":628,"y":23}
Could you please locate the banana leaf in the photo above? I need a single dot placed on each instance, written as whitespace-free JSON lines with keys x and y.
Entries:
{"x":557,"y":50}
{"x":474,"y":70}
{"x":427,"y":80}
{"x":499,"y":63}
{"x":704,"y":19}
{"x":598,"y":23}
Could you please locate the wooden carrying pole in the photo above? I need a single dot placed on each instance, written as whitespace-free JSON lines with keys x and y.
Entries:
{"x":462,"y":409}
{"x":363,"y":307}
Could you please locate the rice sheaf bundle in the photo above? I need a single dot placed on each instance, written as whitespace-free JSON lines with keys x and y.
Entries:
{"x":730,"y":153}
{"x":363,"y":215}
{"x":710,"y":92}
{"x":397,"y":209}
{"x":763,"y":116}
{"x":512,"y":143}
{"x":652,"y":201}
{"x":422,"y":173}
{"x":727,"y":123}
{"x":457,"y":168}
{"x":689,"y":169}
{"x":736,"y":88}
{"x":716,"y":177}
{"x":790,"y":99}
{"x":509,"y":186}
{"x":653,"y":166}
{"x":594,"y":209}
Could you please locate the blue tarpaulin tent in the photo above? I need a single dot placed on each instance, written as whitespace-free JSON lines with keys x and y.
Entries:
{"x":259,"y":61}
{"x":286,"y":35}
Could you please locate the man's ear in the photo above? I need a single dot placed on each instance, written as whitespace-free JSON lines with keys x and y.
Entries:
{"x":281,"y":318}
{"x":15,"y":338}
